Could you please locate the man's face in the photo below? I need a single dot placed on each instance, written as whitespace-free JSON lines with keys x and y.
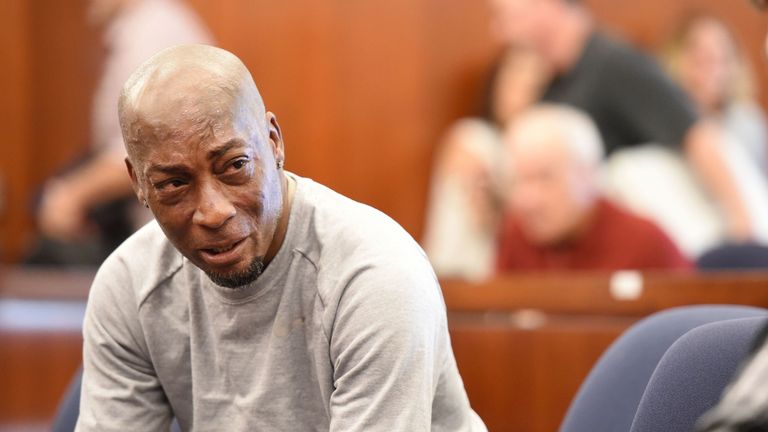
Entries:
{"x":708,"y":63}
{"x":549,"y":193}
{"x":520,"y":22}
{"x":216,"y":192}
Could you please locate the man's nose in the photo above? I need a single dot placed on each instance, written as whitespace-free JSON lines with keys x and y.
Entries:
{"x":213,"y":208}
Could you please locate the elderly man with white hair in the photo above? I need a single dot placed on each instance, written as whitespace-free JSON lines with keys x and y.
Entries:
{"x":556,"y":216}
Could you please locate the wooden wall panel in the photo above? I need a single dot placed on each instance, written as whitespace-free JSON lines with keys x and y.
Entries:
{"x":37,"y":367}
{"x":14,"y":122}
{"x":65,"y":64}
{"x":362,"y":89}
{"x":523,"y":380}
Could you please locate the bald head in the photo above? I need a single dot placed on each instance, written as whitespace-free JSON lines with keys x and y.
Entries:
{"x":183,"y":92}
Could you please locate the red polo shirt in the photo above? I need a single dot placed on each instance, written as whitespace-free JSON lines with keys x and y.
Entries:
{"x":614,"y":240}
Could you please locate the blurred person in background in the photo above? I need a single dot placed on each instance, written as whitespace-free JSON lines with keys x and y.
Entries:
{"x":704,"y":57}
{"x":464,"y":210}
{"x":89,"y":209}
{"x":557,"y":218}
{"x":629,"y":97}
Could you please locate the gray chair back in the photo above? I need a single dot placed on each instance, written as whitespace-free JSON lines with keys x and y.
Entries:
{"x":693,"y":373}
{"x":609,"y":397}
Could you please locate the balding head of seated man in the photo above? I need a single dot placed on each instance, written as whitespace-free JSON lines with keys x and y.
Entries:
{"x":258,"y":299}
{"x":556,"y":217}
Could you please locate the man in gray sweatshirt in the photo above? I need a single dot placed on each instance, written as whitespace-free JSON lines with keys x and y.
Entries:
{"x":258,"y":300}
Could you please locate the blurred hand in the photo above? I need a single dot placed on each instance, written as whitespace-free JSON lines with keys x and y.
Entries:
{"x":739,"y":229}
{"x":474,"y":177}
{"x":62,"y":215}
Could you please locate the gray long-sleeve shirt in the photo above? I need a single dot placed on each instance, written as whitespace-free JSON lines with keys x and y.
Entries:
{"x":344,"y":331}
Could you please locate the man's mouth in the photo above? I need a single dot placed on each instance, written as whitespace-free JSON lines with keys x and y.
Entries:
{"x":223,"y":254}
{"x":215,"y":251}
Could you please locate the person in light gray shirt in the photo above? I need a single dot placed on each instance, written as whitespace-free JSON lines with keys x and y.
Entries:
{"x":258,"y":300}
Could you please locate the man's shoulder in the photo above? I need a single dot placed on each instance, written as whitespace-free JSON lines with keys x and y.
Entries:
{"x":345,"y":224}
{"x":640,"y":241}
{"x":626,"y":224}
{"x":144,"y":261}
{"x":609,"y":54}
{"x":611,"y":45}
{"x":346,"y":239}
{"x":604,"y":62}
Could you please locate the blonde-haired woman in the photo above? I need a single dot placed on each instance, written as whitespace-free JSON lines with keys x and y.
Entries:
{"x":706,"y":60}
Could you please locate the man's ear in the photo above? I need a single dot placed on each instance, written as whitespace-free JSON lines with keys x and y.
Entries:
{"x":135,"y":182}
{"x":276,"y":138}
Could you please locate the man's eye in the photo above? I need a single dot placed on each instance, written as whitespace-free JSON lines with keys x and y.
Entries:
{"x":170,"y":184}
{"x":235,"y":166}
{"x":239,"y":163}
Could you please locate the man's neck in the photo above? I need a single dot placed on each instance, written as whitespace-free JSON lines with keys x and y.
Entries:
{"x":569,"y":41}
{"x":289,"y":189}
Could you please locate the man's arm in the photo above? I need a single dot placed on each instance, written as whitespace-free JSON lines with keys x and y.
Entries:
{"x":67,"y":200}
{"x":701,"y":149}
{"x":393,"y":365}
{"x":120,"y":391}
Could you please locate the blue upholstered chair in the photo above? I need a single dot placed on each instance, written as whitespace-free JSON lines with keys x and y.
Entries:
{"x":609,"y":397}
{"x":734,"y":257}
{"x":691,"y":376}
{"x":69,"y":408}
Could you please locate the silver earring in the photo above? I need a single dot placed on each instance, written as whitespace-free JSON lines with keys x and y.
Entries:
{"x":280,"y":164}
{"x":146,"y":204}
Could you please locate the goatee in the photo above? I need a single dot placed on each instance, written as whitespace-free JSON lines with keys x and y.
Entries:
{"x":239,"y":279}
